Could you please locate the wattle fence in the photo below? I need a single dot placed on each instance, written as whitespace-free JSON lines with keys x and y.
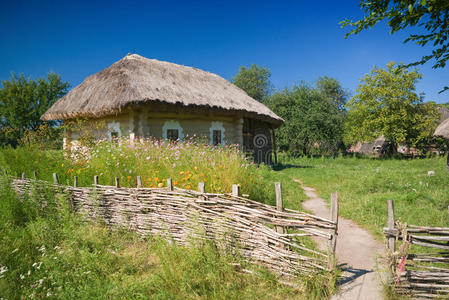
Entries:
{"x":275,"y":237}
{"x":420,"y":265}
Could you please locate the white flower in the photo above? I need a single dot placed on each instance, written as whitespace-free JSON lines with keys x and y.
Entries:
{"x":3,"y":269}
{"x":22,"y":276}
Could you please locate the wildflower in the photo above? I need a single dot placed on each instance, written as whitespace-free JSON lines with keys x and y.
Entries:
{"x":62,"y":165}
{"x":156,"y":179}
{"x":22,"y":276}
{"x":188,"y":186}
{"x":160,"y":185}
{"x":196,"y":168}
{"x":3,"y":270}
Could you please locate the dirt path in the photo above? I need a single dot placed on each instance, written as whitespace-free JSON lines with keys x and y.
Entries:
{"x":357,"y":252}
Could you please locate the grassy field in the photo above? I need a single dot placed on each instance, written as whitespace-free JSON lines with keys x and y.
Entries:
{"x":48,"y":252}
{"x":51,"y":252}
{"x":365,"y":184}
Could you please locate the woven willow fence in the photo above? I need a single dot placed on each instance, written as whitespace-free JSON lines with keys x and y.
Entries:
{"x":420,"y":265}
{"x":272,"y":236}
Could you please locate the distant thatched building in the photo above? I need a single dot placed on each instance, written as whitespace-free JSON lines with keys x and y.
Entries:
{"x":139,"y":97}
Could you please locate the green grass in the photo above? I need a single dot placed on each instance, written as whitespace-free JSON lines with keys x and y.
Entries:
{"x":48,"y":252}
{"x":155,"y":161}
{"x":365,"y":184}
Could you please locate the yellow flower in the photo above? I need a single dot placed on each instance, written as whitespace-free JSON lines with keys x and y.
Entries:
{"x":62,"y":165}
{"x":196,"y":168}
{"x":156,"y":179}
{"x":182,"y":172}
{"x":175,"y":182}
{"x":149,"y":179}
{"x":188,"y":186}
{"x":160,"y":185}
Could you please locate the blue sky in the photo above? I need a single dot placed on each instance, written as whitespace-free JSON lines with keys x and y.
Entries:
{"x":298,"y":40}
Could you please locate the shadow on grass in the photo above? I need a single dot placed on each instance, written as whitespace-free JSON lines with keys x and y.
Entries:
{"x":280,"y":167}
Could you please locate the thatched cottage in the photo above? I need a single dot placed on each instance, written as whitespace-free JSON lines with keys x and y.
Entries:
{"x":139,"y":97}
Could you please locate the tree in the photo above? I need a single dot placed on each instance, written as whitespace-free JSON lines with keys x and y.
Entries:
{"x":23,"y":101}
{"x":255,"y":81}
{"x":313,"y":118}
{"x":386,"y":104}
{"x":431,"y":15}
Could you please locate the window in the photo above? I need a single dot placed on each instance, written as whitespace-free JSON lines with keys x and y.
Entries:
{"x":217,"y":134}
{"x":172,"y":130}
{"x":216,"y":137}
{"x":114,"y":136}
{"x":172,"y":134}
{"x":114,"y":132}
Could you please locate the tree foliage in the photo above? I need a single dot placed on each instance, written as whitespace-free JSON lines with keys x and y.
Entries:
{"x":430,"y":15}
{"x":255,"y":81}
{"x":386,"y":103}
{"x":313,"y":117}
{"x":23,"y":101}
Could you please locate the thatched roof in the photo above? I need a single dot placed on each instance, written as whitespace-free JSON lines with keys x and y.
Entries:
{"x":443,"y":129}
{"x":136,"y":80}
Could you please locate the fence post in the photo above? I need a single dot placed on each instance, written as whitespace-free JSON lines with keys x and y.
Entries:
{"x":278,"y":190}
{"x":169,"y":184}
{"x":333,"y":240}
{"x":117,"y":182}
{"x":75,"y":181}
{"x":235,"y":190}
{"x":139,"y":180}
{"x":23,"y":175}
{"x":96,"y":180}
{"x":55,"y":178}
{"x":35,"y":175}
{"x":201,"y":187}
{"x":391,"y":239}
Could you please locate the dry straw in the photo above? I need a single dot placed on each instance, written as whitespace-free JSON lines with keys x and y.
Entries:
{"x":136,"y":80}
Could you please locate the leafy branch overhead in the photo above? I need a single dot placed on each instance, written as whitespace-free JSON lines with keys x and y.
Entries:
{"x":431,"y":16}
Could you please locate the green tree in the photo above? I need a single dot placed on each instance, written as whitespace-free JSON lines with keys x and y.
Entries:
{"x":386,"y":103}
{"x":23,"y":101}
{"x":255,"y":81}
{"x":429,"y":19}
{"x":313,"y":117}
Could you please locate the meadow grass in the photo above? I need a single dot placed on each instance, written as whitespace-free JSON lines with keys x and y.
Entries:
{"x":186,"y":163}
{"x":49,"y":252}
{"x":365,"y":184}
{"x":46,"y":251}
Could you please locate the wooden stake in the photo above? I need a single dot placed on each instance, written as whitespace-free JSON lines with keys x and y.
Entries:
{"x":117,"y":182}
{"x":235,"y":190}
{"x":139,"y":179}
{"x":23,"y":175}
{"x":75,"y":181}
{"x":201,"y":187}
{"x":55,"y":178}
{"x":333,"y":240}
{"x":169,"y":184}
{"x":96,"y":179}
{"x":278,"y":190}
{"x":391,"y":239}
{"x":35,"y":175}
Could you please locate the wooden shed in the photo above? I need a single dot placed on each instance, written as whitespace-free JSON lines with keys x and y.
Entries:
{"x":138,"y":97}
